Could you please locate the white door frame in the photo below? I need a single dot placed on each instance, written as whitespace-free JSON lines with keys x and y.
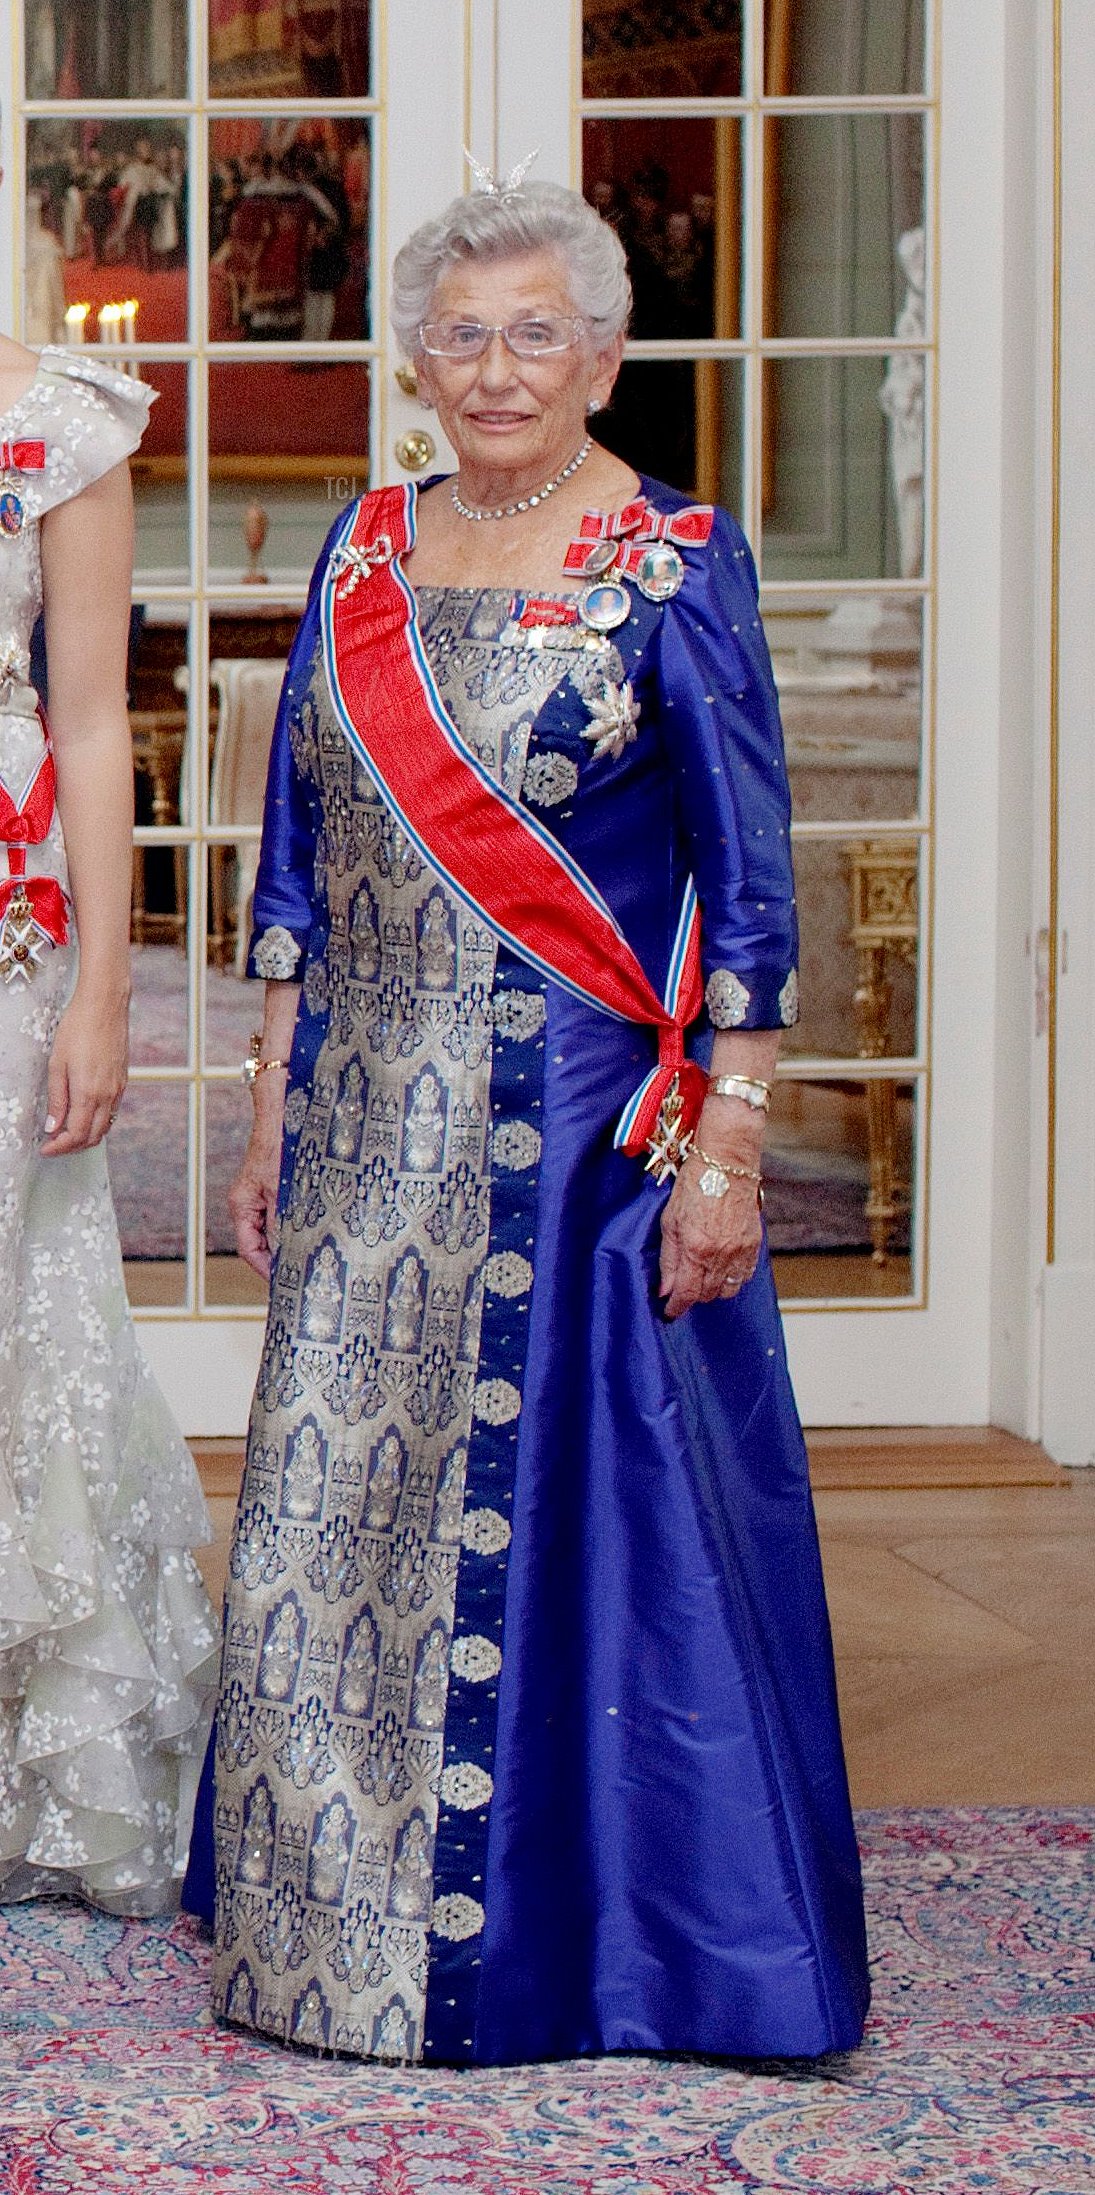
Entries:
{"x":1068,"y":915}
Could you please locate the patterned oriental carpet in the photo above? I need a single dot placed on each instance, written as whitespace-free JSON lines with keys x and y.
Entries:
{"x":978,"y":2072}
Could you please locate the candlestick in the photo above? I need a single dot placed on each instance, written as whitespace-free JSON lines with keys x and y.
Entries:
{"x":75,"y":318}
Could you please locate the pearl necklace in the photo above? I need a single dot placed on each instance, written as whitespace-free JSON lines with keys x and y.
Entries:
{"x":526,"y":502}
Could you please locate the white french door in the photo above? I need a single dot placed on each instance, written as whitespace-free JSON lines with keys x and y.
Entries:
{"x":812,"y":197}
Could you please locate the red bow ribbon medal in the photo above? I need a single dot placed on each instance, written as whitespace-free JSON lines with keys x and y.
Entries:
{"x":33,"y":910}
{"x":17,"y":457}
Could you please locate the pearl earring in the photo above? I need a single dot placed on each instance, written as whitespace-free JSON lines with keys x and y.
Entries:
{"x":594,"y":405}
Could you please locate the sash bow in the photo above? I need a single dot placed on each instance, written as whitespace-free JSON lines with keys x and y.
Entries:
{"x":46,"y":900}
{"x":24,"y":824}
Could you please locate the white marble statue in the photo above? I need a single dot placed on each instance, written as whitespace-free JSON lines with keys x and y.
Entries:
{"x":902,"y":399}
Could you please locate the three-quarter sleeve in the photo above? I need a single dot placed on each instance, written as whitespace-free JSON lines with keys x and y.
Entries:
{"x":284,"y":905}
{"x":721,"y":717}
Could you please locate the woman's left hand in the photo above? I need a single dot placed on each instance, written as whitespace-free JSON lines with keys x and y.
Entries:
{"x":88,"y":1069}
{"x":710,"y":1245}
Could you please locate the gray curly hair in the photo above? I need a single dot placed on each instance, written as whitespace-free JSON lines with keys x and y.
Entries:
{"x":499,"y":225}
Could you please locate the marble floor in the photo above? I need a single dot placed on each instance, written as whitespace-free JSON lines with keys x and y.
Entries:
{"x":961,"y":1576}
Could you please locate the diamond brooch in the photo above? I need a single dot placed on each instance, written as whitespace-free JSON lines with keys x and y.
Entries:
{"x":613,"y":719}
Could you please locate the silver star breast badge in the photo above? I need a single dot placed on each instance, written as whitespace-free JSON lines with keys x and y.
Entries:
{"x":14,"y":666}
{"x":21,"y":942}
{"x":613,"y":718}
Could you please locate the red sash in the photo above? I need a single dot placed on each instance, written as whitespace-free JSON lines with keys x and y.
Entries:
{"x":490,"y":850}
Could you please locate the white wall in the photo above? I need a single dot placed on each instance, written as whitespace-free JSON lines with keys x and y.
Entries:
{"x":7,"y":189}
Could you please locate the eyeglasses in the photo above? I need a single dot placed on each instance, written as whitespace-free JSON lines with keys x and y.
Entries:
{"x":538,"y":338}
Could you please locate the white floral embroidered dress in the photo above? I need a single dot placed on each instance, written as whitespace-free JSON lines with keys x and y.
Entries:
{"x":107,"y":1641}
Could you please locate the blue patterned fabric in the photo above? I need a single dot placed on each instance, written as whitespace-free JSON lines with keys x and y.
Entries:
{"x":634,"y":1822}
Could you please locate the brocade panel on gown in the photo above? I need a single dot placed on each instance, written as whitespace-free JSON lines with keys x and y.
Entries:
{"x":107,"y":1640}
{"x":527,"y":1740}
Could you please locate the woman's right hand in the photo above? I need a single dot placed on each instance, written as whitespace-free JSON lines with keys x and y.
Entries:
{"x":253,"y":1197}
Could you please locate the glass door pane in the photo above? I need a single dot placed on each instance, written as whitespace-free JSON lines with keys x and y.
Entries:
{"x":290,"y":49}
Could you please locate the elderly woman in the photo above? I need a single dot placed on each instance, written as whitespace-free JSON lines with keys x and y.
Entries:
{"x":528,"y":1742}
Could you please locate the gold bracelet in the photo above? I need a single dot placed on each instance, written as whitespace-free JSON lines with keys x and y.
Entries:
{"x":253,"y":1066}
{"x":718,"y":1175}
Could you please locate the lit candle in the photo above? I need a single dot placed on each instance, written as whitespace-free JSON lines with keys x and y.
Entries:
{"x":109,"y":316}
{"x":129,"y":325}
{"x":75,"y":317}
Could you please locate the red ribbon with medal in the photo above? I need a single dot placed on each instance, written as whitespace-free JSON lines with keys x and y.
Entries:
{"x":637,"y":543}
{"x":17,"y":457}
{"x":491,"y":851}
{"x":33,"y":910}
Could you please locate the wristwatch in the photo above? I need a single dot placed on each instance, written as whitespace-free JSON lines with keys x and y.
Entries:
{"x":756,"y":1094}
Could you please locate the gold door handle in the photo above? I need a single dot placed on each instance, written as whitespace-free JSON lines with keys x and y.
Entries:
{"x":415,"y":450}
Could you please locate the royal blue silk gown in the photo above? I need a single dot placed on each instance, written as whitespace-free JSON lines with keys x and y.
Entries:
{"x":527,"y":1742}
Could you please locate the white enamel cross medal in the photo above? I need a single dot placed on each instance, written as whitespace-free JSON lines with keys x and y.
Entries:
{"x":670,"y":1143}
{"x":21,"y":941}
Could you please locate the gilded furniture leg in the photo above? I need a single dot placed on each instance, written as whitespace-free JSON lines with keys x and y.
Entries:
{"x":882,"y":1206}
{"x":136,"y":904}
{"x":218,"y":907}
{"x":163,"y":770}
{"x":872,"y":997}
{"x":884,"y":924}
{"x":180,"y":893}
{"x":158,"y":737}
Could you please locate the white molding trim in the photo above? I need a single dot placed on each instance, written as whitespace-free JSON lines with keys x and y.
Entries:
{"x":1068,"y":1287}
{"x":423,"y":167}
{"x":1075,"y":1157}
{"x":1068,"y":1363}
